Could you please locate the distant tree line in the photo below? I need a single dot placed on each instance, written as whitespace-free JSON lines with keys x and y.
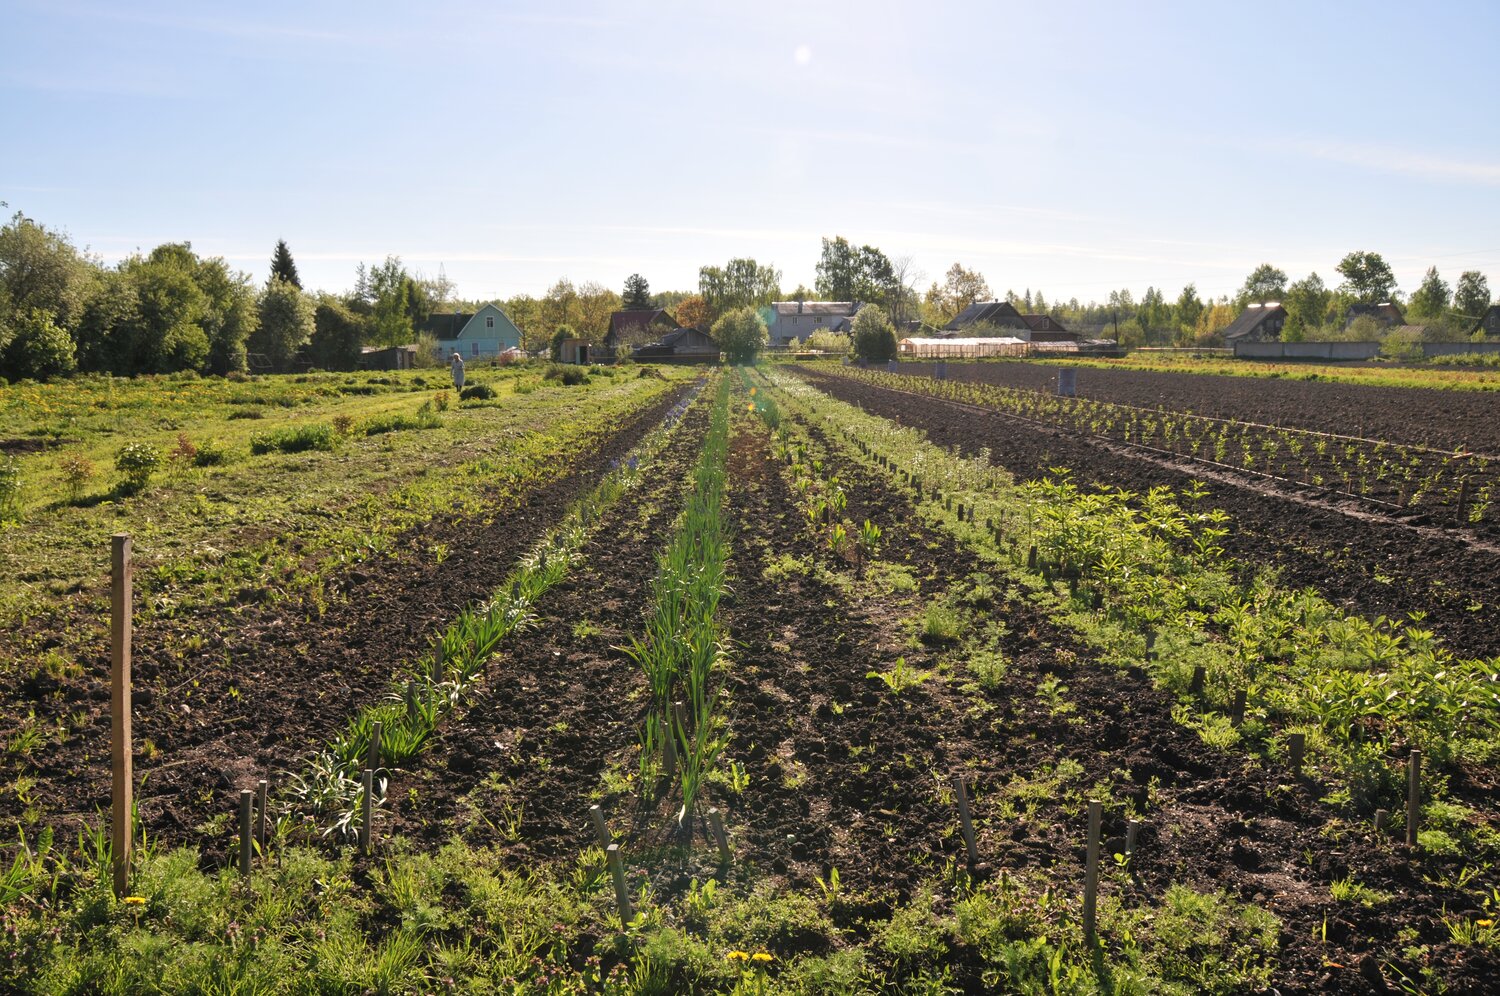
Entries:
{"x":62,"y":310}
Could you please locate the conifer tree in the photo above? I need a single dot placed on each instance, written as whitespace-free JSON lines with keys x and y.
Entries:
{"x":637,"y":296}
{"x":282,"y":266}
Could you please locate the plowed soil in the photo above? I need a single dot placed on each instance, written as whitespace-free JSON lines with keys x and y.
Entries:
{"x":1368,"y":567}
{"x":1421,"y":416}
{"x":845,"y":774}
{"x":267,"y":686}
{"x":521,"y":765}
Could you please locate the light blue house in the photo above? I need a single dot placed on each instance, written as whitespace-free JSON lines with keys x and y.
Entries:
{"x":487,"y":332}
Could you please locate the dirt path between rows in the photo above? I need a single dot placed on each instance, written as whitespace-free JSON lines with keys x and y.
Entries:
{"x":523,"y":762}
{"x":257,"y":691}
{"x":1413,"y":415}
{"x":1364,"y":566}
{"x":847,"y":775}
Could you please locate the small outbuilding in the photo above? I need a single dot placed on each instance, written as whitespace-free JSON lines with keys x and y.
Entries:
{"x":575,"y":351}
{"x":388,"y":358}
{"x":686,"y":345}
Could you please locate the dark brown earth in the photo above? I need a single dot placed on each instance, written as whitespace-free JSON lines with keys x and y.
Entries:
{"x":561,"y":702}
{"x":260,"y":689}
{"x":846,"y":775}
{"x":1365,"y":566}
{"x":1412,"y":415}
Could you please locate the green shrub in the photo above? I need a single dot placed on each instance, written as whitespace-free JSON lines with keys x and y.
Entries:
{"x":77,"y":471}
{"x":425,"y":418}
{"x":296,"y":439}
{"x":477,"y":392}
{"x":247,"y":413}
{"x":211,"y":454}
{"x":39,"y":350}
{"x":137,"y":461}
{"x":570,"y":376}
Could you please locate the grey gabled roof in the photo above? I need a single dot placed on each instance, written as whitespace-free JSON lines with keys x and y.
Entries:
{"x":840,"y":308}
{"x":1250,"y":319}
{"x":1001,"y":314}
{"x":446,"y":325}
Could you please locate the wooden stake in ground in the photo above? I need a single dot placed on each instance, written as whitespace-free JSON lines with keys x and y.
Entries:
{"x":122,"y":767}
{"x":1296,"y":743}
{"x":668,"y":749}
{"x":1091,"y":872}
{"x":622,"y":894}
{"x":260,"y":812}
{"x":961,"y":797}
{"x":1196,"y":687}
{"x":373,"y":761}
{"x":601,"y":829}
{"x":1413,"y":796}
{"x":247,"y":834}
{"x":716,"y":824}
{"x":1132,"y":829}
{"x":1237,"y":713}
{"x":366,"y":810}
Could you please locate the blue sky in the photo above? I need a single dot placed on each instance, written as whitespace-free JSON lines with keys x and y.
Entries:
{"x":1071,"y":147}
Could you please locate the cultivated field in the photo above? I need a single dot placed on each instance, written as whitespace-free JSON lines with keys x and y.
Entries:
{"x":904,"y":641}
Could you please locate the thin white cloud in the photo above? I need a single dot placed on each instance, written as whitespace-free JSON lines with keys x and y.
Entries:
{"x":1391,"y":160}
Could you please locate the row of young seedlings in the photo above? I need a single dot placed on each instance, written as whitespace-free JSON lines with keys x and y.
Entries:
{"x":1077,"y":563}
{"x":1132,"y":826}
{"x":681,"y":649}
{"x":1387,"y":474}
{"x":343,"y":784}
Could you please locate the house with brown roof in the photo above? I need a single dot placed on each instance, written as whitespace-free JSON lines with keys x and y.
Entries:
{"x":1489,"y":322}
{"x":1257,"y":323}
{"x":1003,"y":315}
{"x":683,"y":345}
{"x":637,"y":325}
{"x":994,"y":314}
{"x":1385,"y":314}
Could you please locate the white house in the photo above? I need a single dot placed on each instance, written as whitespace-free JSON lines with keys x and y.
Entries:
{"x":487,"y":332}
{"x":793,"y":320}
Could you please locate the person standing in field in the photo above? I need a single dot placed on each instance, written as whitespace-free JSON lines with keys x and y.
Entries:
{"x":458,"y":372}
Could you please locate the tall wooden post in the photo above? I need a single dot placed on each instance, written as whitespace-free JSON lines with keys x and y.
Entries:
{"x":1091,"y":872}
{"x":122,"y":794}
{"x":1413,"y":796}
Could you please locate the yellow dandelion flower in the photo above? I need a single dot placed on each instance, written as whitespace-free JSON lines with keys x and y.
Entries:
{"x":134,"y":900}
{"x":752,"y":392}
{"x":761,"y":957}
{"x":738,"y":956}
{"x":1485,"y":923}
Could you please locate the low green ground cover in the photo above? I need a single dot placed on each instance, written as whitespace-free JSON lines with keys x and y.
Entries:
{"x":467,"y":921}
{"x":1361,"y":691}
{"x":217,"y":523}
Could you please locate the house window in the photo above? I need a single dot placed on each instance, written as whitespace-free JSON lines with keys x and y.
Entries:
{"x":818,"y":320}
{"x":474,"y":349}
{"x":489,"y":321}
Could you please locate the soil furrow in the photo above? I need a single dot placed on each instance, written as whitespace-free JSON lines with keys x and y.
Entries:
{"x":847,"y":775}
{"x":259,"y":690}
{"x":1366,"y":567}
{"x":523,"y":762}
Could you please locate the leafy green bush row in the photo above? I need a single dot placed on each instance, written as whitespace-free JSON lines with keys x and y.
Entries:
{"x":295,"y":439}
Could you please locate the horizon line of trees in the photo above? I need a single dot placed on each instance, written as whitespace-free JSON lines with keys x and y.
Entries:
{"x":62,"y":310}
